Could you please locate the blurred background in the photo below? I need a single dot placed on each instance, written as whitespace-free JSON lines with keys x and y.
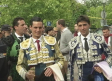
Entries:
{"x":99,"y":11}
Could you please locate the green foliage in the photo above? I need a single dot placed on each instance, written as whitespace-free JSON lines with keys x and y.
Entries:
{"x":92,"y":3}
{"x":109,"y":14}
{"x":49,"y":10}
{"x":95,"y":14}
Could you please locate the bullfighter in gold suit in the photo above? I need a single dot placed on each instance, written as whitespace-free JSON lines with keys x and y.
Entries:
{"x":38,"y":53}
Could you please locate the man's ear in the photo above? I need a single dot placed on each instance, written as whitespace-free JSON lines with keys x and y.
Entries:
{"x":30,"y":27}
{"x":15,"y":27}
{"x":48,"y":32}
{"x":60,"y":25}
{"x":3,"y":32}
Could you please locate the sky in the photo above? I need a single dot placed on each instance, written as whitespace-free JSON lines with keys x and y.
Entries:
{"x":80,"y":1}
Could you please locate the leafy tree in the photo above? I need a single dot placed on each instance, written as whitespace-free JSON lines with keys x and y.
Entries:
{"x":95,"y":15}
{"x":49,"y":10}
{"x":92,"y":3}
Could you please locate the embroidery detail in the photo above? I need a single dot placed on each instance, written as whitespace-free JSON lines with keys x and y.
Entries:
{"x":50,"y":40}
{"x":97,"y":38}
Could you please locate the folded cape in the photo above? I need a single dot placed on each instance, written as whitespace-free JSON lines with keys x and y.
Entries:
{"x":56,"y":76}
{"x":107,"y":71}
{"x":57,"y":72}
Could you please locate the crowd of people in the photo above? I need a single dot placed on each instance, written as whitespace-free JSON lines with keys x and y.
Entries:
{"x":41,"y":53}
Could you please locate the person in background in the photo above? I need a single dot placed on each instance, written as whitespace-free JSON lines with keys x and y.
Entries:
{"x":27,"y":31}
{"x":66,"y":36}
{"x":11,"y":29}
{"x":0,"y":34}
{"x":107,"y":37}
{"x":57,"y":33}
{"x":76,"y":30}
{"x":43,"y":31}
{"x":49,"y":31}
{"x":5,"y":31}
{"x":13,"y":41}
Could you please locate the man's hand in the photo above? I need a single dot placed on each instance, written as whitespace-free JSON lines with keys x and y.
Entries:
{"x":9,"y":78}
{"x":48,"y":72}
{"x":109,"y":47}
{"x":98,"y":69}
{"x":30,"y":75}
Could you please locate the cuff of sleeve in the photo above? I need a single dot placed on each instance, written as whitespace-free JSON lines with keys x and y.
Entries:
{"x":22,"y":73}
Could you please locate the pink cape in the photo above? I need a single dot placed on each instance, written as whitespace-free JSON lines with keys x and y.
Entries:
{"x":107,"y":71}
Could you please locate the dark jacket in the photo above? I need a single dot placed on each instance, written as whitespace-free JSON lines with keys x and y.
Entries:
{"x":3,"y":62}
{"x":42,"y":77}
{"x":13,"y":48}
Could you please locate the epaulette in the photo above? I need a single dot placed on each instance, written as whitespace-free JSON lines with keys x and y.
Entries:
{"x":25,"y":44}
{"x":73,"y":43}
{"x":98,"y":38}
{"x":50,"y":40}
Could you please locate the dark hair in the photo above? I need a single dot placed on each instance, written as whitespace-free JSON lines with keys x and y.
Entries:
{"x":62,"y":22}
{"x":58,"y":36}
{"x":105,"y":28}
{"x":83,"y":18}
{"x":15,"y":21}
{"x":47,"y":29}
{"x":38,"y":19}
{"x":5,"y":27}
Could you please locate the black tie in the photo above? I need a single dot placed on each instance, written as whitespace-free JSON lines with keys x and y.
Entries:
{"x":86,"y":45}
{"x":21,"y":39}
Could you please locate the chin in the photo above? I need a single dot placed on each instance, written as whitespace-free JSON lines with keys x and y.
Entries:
{"x":83,"y":33}
{"x":39,"y":36}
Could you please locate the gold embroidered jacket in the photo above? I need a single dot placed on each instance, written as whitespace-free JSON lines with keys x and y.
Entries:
{"x":28,"y":54}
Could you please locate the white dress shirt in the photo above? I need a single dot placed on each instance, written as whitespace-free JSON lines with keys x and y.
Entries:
{"x":35,"y":43}
{"x":83,"y":41}
{"x":108,"y":41}
{"x":19,"y":36}
{"x":79,"y":33}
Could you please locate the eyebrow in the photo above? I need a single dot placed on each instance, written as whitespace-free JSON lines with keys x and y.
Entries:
{"x":37,"y":27}
{"x":82,"y":24}
{"x":22,"y":24}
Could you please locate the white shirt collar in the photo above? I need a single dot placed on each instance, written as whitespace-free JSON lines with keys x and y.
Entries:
{"x":18,"y":35}
{"x":48,"y":35}
{"x":34,"y":40}
{"x":64,"y":29}
{"x":79,"y":33}
{"x":88,"y":37}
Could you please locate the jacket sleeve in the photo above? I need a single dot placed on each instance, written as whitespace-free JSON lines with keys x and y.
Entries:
{"x":68,"y":37}
{"x":58,"y":56}
{"x":107,"y":53}
{"x":21,"y":64}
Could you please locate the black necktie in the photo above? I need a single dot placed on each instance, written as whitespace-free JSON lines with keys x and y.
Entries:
{"x":86,"y":45}
{"x":21,"y":39}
